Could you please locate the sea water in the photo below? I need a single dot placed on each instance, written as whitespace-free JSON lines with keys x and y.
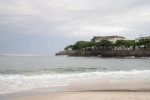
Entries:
{"x":28,"y":72}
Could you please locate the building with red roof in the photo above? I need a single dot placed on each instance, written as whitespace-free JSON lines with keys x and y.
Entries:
{"x":112,"y":39}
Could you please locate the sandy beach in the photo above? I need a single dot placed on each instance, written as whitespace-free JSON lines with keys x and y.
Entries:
{"x":91,"y":96}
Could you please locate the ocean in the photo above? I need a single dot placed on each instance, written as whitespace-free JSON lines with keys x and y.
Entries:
{"x":25,"y":72}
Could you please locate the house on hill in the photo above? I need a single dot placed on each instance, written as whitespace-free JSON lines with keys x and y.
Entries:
{"x":112,"y":39}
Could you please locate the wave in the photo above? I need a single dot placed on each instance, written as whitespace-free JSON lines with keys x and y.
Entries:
{"x":54,"y":70}
{"x":69,"y":71}
{"x":26,"y":81}
{"x":74,"y":70}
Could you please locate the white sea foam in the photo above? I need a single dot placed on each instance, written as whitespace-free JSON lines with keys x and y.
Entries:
{"x":21,"y":82}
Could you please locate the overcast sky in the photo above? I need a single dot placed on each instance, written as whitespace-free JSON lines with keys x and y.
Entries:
{"x":47,"y":26}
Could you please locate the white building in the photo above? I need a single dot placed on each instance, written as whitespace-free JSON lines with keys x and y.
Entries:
{"x":112,"y":39}
{"x":137,"y":39}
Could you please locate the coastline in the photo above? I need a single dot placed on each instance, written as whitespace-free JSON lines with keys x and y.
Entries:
{"x":91,"y":95}
{"x":113,"y":88}
{"x":107,"y":53}
{"x":112,"y":91}
{"x":86,"y":74}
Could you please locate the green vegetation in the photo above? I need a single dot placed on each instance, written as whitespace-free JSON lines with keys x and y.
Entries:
{"x":79,"y":45}
{"x":69,"y":46}
{"x":145,"y":42}
{"x":105,"y":44}
{"x":126,"y":43}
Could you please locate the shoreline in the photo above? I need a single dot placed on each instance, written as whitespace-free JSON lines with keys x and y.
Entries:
{"x":91,"y":95}
{"x":107,"y":53}
{"x":121,"y":87}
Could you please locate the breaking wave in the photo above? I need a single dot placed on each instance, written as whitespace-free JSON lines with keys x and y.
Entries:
{"x":28,"y":81}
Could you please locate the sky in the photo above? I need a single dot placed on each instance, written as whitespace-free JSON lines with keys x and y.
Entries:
{"x":47,"y":26}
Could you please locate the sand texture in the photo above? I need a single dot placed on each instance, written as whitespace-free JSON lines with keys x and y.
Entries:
{"x":91,"y":96}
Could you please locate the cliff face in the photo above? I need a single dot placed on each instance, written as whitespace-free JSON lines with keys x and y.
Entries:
{"x":112,"y":53}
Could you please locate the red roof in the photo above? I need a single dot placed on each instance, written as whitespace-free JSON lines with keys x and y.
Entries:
{"x":114,"y":36}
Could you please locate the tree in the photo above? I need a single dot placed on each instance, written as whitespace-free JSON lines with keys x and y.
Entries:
{"x":80,"y":45}
{"x":106,"y":43}
{"x":93,"y":39}
{"x":91,"y":43}
{"x":126,"y":43}
{"x":145,"y":42}
{"x":67,"y":47}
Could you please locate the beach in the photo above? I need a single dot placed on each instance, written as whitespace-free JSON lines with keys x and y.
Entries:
{"x":49,"y":77}
{"x":91,"y":95}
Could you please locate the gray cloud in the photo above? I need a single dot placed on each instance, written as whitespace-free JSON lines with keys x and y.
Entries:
{"x":74,"y":19}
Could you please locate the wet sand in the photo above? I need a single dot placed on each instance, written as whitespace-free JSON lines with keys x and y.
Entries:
{"x":91,"y":95}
